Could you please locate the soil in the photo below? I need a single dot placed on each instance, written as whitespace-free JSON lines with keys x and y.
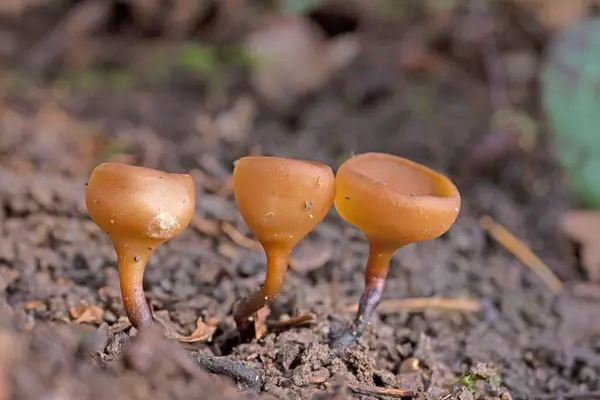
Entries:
{"x":63,"y":333}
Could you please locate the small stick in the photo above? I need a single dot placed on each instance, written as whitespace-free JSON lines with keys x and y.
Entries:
{"x":303,"y":319}
{"x":419,"y":304}
{"x":237,"y":370}
{"x":380,"y":392}
{"x":238,"y":237}
{"x":522,"y":253}
{"x":205,"y":226}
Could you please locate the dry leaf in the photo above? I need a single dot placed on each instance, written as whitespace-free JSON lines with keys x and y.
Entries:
{"x":77,"y":310}
{"x":583,"y":227}
{"x":36,"y":305}
{"x":202,"y":333}
{"x":260,"y":322}
{"x":91,"y":315}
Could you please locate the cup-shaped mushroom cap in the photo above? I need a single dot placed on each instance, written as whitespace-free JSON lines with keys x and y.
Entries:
{"x":395,"y":200}
{"x":139,"y":204}
{"x":281,"y":199}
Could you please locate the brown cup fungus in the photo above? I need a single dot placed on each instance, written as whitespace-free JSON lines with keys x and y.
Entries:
{"x":139,"y":209}
{"x":394,"y":202}
{"x":281,"y":200}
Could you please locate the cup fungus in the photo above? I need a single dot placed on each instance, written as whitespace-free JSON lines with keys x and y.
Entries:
{"x":281,"y":200}
{"x":139,"y":209}
{"x":394,"y":202}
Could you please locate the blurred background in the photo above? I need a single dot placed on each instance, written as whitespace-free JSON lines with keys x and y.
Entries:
{"x":185,"y":84}
{"x":500,"y":95}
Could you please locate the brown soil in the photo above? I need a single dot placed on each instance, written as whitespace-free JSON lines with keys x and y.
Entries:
{"x":62,"y":331}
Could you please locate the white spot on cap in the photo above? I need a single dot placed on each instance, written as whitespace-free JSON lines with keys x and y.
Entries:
{"x":163,"y":226}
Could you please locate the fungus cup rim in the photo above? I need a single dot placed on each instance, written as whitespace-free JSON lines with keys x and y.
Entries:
{"x":387,"y":215}
{"x":282,"y":160}
{"x":440,"y":182}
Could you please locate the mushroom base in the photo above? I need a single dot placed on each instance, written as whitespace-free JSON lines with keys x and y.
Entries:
{"x":368,"y":303}
{"x":375,"y":274}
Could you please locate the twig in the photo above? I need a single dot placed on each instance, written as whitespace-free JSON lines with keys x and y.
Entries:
{"x":239,"y":371}
{"x":205,"y":226}
{"x":424,"y":303}
{"x":382,"y":393}
{"x":238,"y":237}
{"x":303,"y":319}
{"x":522,"y":253}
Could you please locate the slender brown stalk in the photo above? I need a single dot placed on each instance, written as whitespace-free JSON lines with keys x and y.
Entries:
{"x":376,"y":272}
{"x":245,"y":309}
{"x":131,"y":276}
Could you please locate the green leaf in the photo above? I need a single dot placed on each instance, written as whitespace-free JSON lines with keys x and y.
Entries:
{"x":570,"y":96}
{"x":199,"y":58}
{"x":495,"y":382}
{"x":468,"y":381}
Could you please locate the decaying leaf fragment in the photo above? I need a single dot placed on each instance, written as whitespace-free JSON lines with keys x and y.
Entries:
{"x":583,"y":227}
{"x":202,"y":333}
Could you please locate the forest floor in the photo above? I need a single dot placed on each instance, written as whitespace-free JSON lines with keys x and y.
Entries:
{"x":91,"y":88}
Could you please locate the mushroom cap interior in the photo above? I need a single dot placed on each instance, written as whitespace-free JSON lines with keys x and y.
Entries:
{"x":395,"y":200}
{"x":282,"y":199}
{"x":136,"y":203}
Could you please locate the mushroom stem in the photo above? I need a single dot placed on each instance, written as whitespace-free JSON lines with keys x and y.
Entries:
{"x":132,"y":265}
{"x":246,"y":308}
{"x":376,"y":272}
